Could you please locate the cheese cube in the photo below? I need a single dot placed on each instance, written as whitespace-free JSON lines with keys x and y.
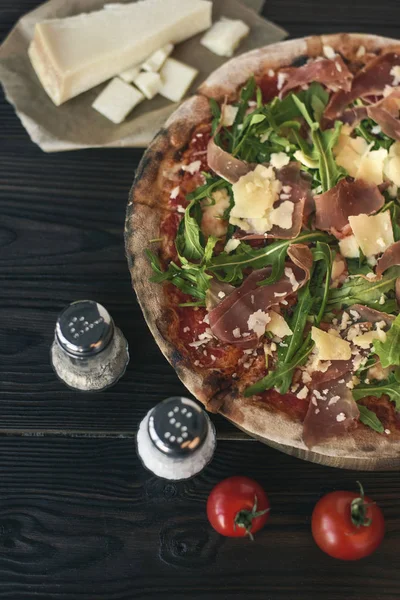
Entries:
{"x":374,"y":233}
{"x":176,"y":79}
{"x":149,"y":83}
{"x":156,"y":60}
{"x":130,"y":74}
{"x":225,"y":36}
{"x":117,"y":100}
{"x":348,"y":247}
{"x":329,"y":346}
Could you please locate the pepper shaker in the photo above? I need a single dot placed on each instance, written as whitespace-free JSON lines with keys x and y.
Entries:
{"x":176,"y":439}
{"x":88,"y":352}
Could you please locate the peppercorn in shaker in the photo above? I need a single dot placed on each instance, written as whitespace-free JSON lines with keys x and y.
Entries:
{"x":88,"y":353}
{"x":176,"y":439}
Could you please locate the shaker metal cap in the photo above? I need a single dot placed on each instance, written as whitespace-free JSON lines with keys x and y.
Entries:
{"x":178,"y":426}
{"x":84,"y":328}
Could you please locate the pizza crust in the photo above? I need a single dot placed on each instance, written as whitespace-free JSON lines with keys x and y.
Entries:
{"x":362,"y":449}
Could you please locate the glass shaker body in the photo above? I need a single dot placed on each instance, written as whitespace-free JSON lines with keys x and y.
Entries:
{"x":88,"y":352}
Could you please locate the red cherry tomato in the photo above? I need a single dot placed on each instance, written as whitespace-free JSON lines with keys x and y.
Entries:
{"x":237,"y":506}
{"x":346,"y":525}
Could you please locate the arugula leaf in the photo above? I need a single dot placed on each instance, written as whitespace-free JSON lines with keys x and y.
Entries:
{"x":390,"y":387}
{"x":379,"y":140}
{"x":389,"y":351}
{"x":369,"y":418}
{"x":298,"y":321}
{"x":205,"y":191}
{"x":323,"y":253}
{"x":216,"y":113}
{"x":362,"y":291}
{"x":233,"y":264}
{"x":189,"y":240}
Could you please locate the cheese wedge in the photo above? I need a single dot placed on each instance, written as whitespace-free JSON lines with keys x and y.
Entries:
{"x":74,"y":54}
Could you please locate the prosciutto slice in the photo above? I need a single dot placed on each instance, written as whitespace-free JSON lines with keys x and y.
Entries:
{"x":389,"y":258}
{"x":334,"y":74}
{"x":370,"y":315}
{"x":370,"y":81}
{"x":332,"y":411}
{"x":334,"y":207}
{"x":224,"y":164}
{"x":229,"y":321}
{"x":387,"y":114}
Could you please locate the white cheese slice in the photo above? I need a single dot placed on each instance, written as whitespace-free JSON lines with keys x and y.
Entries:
{"x":278,"y":326}
{"x":348,"y":247}
{"x":254,"y":195}
{"x":229,"y":115}
{"x":231,"y":245}
{"x":279,"y":160}
{"x":74,"y":54}
{"x":374,"y":233}
{"x":177,"y":78}
{"x":356,"y":156}
{"x":329,"y":346}
{"x":392,"y":165}
{"x":149,"y":84}
{"x":157,"y":59}
{"x":366,"y":339}
{"x":130,"y":74}
{"x":257,"y":322}
{"x":117,"y":100}
{"x":225,"y":36}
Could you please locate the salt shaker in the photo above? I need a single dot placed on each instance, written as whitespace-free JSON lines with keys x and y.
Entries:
{"x":176,"y":439}
{"x":88,"y":353}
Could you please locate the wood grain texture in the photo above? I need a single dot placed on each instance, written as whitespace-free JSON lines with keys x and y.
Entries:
{"x":82,"y":519}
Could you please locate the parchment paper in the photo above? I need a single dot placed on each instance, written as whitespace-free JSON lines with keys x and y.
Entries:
{"x":75,"y":124}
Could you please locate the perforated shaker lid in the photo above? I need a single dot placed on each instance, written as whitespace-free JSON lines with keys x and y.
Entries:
{"x":178,"y":426}
{"x":84,"y":328}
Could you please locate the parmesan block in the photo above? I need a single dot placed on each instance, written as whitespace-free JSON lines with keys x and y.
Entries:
{"x":149,"y":84}
{"x":156,"y":60}
{"x":74,"y":54}
{"x":177,"y":78}
{"x":373,"y":233}
{"x":329,"y":346}
{"x":225,"y":36}
{"x":117,"y":100}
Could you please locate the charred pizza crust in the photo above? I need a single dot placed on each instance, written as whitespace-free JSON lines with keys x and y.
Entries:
{"x":361,"y":449}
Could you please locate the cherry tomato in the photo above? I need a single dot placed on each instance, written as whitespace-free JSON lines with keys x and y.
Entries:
{"x":347,"y":525}
{"x":237,"y":506}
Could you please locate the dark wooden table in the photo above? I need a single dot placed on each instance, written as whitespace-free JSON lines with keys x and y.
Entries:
{"x":79,"y":516}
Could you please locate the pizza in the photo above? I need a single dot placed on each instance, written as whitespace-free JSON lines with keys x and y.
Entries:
{"x":263,"y":239}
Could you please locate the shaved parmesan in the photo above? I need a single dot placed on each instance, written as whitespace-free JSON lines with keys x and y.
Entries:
{"x":117,"y":100}
{"x":330,"y":347}
{"x":374,"y":233}
{"x":356,"y":156}
{"x":231,"y":245}
{"x":364,"y":341}
{"x":229,"y":115}
{"x":257,"y":322}
{"x":279,"y":160}
{"x":349,"y":247}
{"x":278,"y":326}
{"x":225,"y":36}
{"x":392,"y":165}
{"x":395,"y":72}
{"x":254,"y":195}
{"x":177,"y":78}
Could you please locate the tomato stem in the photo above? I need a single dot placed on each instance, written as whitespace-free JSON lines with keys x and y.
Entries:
{"x":244,"y":518}
{"x":359,"y":510}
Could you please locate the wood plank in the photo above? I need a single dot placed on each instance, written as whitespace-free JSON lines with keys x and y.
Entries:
{"x":82,"y":519}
